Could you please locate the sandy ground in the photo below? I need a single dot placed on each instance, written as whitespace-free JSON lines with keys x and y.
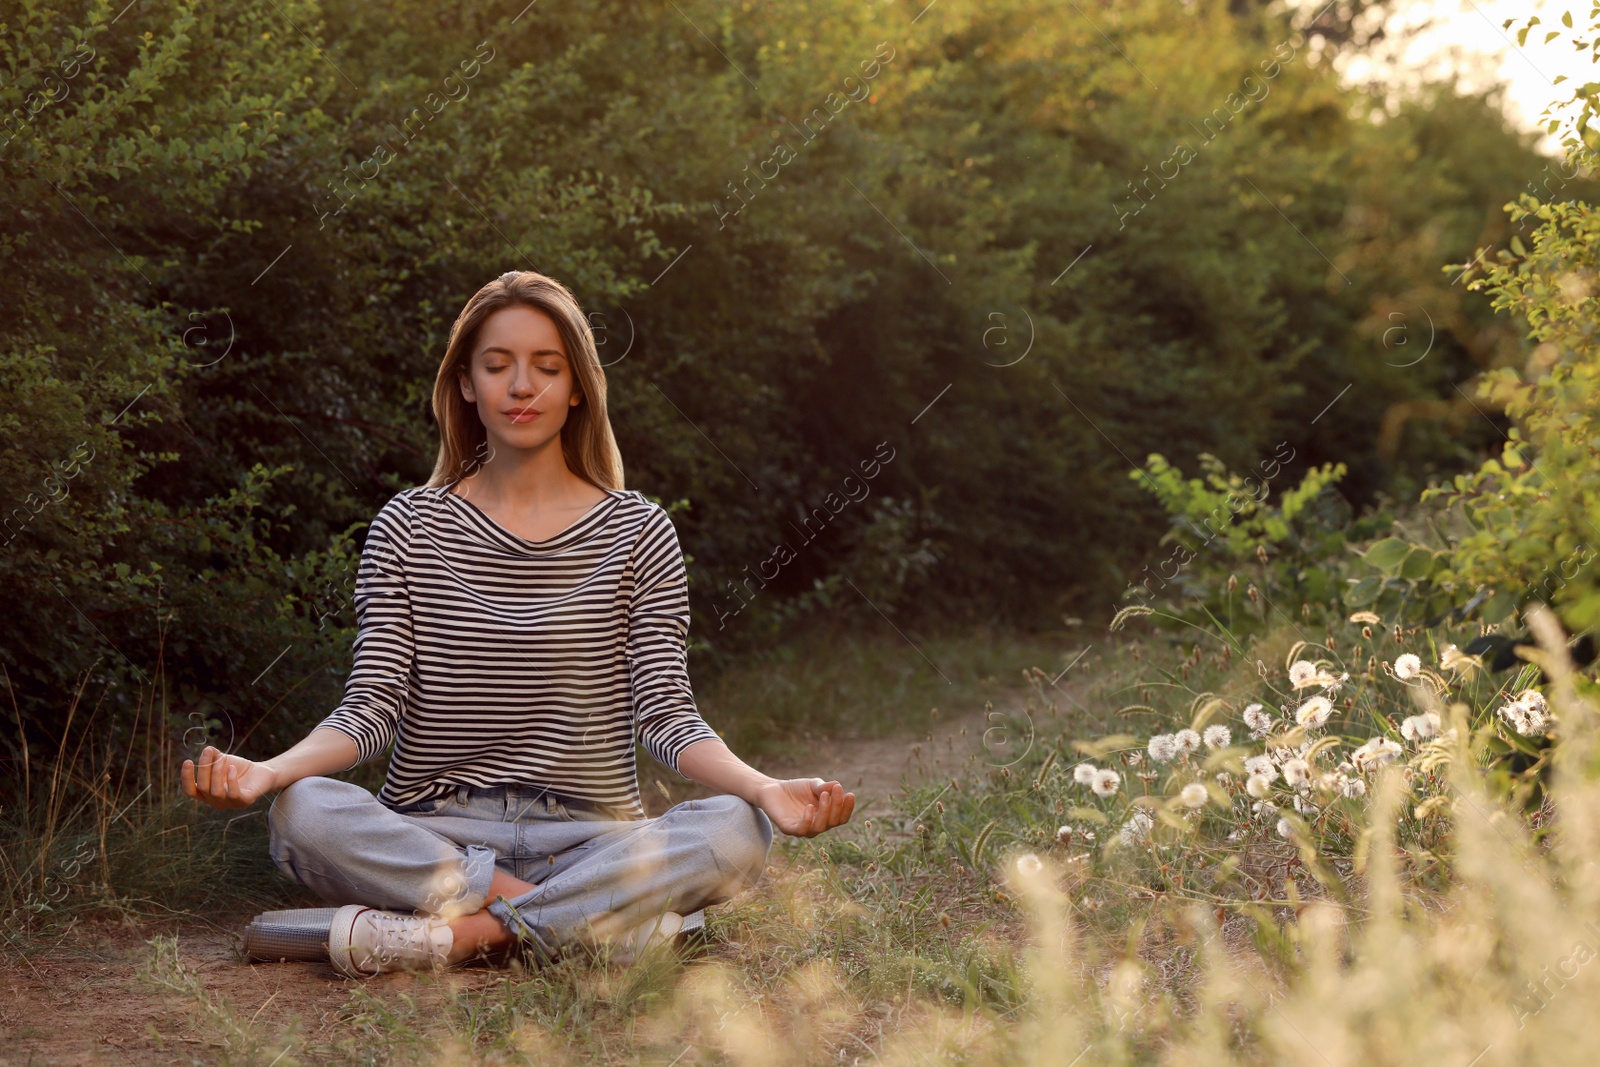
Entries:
{"x":82,"y":1000}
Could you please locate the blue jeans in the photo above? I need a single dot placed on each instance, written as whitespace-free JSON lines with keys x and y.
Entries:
{"x":596,"y":875}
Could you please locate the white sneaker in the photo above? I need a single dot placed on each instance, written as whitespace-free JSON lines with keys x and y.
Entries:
{"x":365,"y":941}
{"x":653,"y":931}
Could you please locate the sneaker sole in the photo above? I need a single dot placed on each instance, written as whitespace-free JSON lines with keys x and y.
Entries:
{"x":340,"y":932}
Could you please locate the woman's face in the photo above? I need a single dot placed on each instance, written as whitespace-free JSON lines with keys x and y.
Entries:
{"x":520,"y":379}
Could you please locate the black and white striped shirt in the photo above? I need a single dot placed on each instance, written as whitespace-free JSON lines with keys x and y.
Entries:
{"x":488,"y":658}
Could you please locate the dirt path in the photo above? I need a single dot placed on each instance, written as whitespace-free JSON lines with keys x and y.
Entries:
{"x":83,"y":999}
{"x":878,"y":768}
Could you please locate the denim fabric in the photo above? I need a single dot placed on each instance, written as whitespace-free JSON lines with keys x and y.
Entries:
{"x":596,"y":874}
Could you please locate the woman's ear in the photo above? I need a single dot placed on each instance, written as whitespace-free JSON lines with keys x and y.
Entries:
{"x":575,"y":401}
{"x":467,"y":392}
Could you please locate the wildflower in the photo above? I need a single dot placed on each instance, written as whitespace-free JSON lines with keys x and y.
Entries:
{"x":1527,"y":714}
{"x":1297,"y":772}
{"x":1028,"y":863}
{"x":1217,"y":736}
{"x":1408,"y":666}
{"x":1377,"y":750}
{"x":1369,"y":617}
{"x":1265,"y":809}
{"x":1162,"y":748}
{"x":1106,"y":782}
{"x":1193,"y":795}
{"x":1301,"y":673}
{"x":1186,"y":740}
{"x":1138,"y":825}
{"x":1304,"y":806}
{"x":1258,"y":720}
{"x":1353,"y":787}
{"x":1064,"y":835}
{"x":1314,"y":712}
{"x":1259,"y":786}
{"x":1421,"y":727}
{"x":1284,"y":829}
{"x":1134,"y":758}
{"x":1084,"y":773}
{"x":1263,"y":767}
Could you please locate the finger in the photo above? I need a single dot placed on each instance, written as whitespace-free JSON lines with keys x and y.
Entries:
{"x":188,"y":777}
{"x":830,"y":802}
{"x":231,"y":789}
{"x":203,"y":769}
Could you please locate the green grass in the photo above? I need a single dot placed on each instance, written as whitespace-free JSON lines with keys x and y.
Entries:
{"x":916,"y":935}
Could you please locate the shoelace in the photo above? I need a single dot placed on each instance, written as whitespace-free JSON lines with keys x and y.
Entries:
{"x":411,"y":933}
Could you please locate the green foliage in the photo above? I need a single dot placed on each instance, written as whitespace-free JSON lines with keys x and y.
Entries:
{"x":1226,"y":522}
{"x":227,"y":302}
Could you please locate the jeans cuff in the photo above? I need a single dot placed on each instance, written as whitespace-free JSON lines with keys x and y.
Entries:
{"x":479,"y":867}
{"x":539,"y":940}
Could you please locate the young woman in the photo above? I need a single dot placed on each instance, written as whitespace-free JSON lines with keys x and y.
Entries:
{"x":522,"y":621}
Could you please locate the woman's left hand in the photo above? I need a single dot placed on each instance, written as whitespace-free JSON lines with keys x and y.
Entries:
{"x":806,"y":807}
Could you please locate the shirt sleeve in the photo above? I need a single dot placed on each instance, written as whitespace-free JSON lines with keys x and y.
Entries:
{"x":658,"y":631}
{"x":379,"y":683}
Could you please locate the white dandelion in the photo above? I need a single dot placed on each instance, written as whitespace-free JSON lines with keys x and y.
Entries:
{"x":1162,"y":748}
{"x":1186,"y":740}
{"x":1314,"y":712}
{"x":1353,"y":787}
{"x":1264,"y":809}
{"x":1284,"y":829}
{"x":1377,"y":751}
{"x":1106,"y":782}
{"x":1217,"y":736}
{"x":1408,"y":666}
{"x":1263,"y":766}
{"x":1193,"y":795}
{"x":1139,"y":825}
{"x":1528,"y":714}
{"x":1259,"y":786}
{"x":1028,"y":863}
{"x":1084,"y":773}
{"x":1297,"y":773}
{"x":1422,"y":727}
{"x":1258,"y":720}
{"x":1302,"y":673}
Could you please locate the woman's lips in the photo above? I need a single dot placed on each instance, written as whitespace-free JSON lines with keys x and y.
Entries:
{"x":525,"y":415}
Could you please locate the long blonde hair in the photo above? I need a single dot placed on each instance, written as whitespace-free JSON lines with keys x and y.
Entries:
{"x":587,"y":443}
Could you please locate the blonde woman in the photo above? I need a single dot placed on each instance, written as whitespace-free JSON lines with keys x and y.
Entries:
{"x":522,"y":621}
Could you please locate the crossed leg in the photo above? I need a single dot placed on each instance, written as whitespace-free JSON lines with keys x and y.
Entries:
{"x":600,"y":881}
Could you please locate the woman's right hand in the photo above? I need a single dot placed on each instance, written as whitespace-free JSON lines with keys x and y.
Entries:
{"x":226,"y":781}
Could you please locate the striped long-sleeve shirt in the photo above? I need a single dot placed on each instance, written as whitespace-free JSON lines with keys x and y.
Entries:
{"x":487,"y":658}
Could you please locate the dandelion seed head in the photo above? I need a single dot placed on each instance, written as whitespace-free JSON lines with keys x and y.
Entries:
{"x":1084,"y":773}
{"x":1193,"y":795}
{"x":1297,"y":772}
{"x":1314,"y":712}
{"x":1259,"y":786}
{"x":1262,"y":766}
{"x":1162,"y":748}
{"x":1301,"y":672}
{"x":1377,"y":751}
{"x":1106,"y":782}
{"x":1407,"y":666}
{"x":1218,"y":736}
{"x":1186,"y":740}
